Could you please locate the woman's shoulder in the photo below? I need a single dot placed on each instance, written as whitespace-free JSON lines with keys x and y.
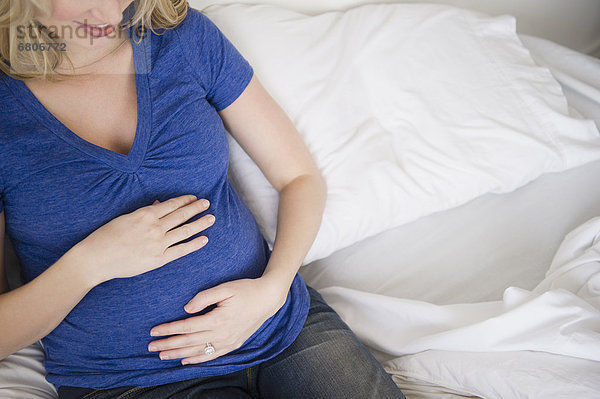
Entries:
{"x":194,"y":23}
{"x":199,"y":38}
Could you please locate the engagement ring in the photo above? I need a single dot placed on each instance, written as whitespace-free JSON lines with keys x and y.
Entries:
{"x":209,"y":350}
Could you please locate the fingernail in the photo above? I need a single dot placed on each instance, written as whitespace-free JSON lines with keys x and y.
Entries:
{"x":154,"y":333}
{"x":152,"y":348}
{"x":211,"y":218}
{"x":184,"y":362}
{"x":205,"y":203}
{"x":164,"y":357}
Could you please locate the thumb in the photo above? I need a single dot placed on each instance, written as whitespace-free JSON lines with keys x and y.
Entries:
{"x":206,"y":298}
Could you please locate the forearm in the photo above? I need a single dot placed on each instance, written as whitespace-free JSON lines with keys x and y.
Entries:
{"x":301,"y":206}
{"x":30,"y":312}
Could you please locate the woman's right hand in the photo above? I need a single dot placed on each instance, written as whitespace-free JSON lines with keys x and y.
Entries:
{"x":144,"y":239}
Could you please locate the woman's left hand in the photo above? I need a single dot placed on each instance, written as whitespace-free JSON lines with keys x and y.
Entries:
{"x":242,"y":307}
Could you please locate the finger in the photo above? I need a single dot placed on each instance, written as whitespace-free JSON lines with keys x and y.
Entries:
{"x":189,"y":351}
{"x":179,"y":250}
{"x":183,"y":214}
{"x":190,"y":325}
{"x":179,"y":341}
{"x":172,"y":204}
{"x":187,"y":230}
{"x":203,"y":357}
{"x":208,"y":297}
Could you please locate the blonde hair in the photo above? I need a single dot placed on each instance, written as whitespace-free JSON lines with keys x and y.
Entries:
{"x":15,"y":14}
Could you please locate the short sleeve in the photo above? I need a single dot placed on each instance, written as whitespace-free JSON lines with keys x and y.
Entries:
{"x":221,"y":68}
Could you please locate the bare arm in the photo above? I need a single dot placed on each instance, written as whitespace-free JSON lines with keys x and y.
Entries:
{"x":33,"y":310}
{"x":261,"y":127}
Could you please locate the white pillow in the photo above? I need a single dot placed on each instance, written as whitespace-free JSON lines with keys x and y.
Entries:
{"x":408,"y":109}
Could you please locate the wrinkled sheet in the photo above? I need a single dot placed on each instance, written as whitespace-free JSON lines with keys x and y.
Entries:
{"x":577,"y":73}
{"x":560,"y":316}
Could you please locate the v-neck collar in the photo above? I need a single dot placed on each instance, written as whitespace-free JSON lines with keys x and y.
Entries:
{"x":126,"y":163}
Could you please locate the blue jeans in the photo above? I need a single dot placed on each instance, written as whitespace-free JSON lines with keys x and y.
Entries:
{"x":326,"y":361}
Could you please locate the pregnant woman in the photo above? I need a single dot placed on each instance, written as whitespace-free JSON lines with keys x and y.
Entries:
{"x":145,"y":274}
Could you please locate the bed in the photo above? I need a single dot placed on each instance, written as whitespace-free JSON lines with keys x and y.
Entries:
{"x":466,"y":275}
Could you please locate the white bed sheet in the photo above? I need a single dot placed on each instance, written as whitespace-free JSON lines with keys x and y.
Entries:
{"x":471,"y":253}
{"x":474,"y":252}
{"x":576,"y":72}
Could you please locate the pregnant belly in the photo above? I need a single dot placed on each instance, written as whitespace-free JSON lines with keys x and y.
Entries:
{"x":110,"y":328}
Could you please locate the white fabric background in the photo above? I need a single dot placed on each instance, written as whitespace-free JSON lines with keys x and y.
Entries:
{"x":575,"y":26}
{"x":407,"y":109}
{"x":471,"y":254}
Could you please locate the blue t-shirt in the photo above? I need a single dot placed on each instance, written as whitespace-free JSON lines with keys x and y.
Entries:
{"x":56,"y":188}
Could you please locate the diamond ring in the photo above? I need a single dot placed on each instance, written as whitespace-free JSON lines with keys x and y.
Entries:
{"x":209,"y":350}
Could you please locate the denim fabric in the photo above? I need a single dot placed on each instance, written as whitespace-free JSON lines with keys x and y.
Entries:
{"x":326,"y":361}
